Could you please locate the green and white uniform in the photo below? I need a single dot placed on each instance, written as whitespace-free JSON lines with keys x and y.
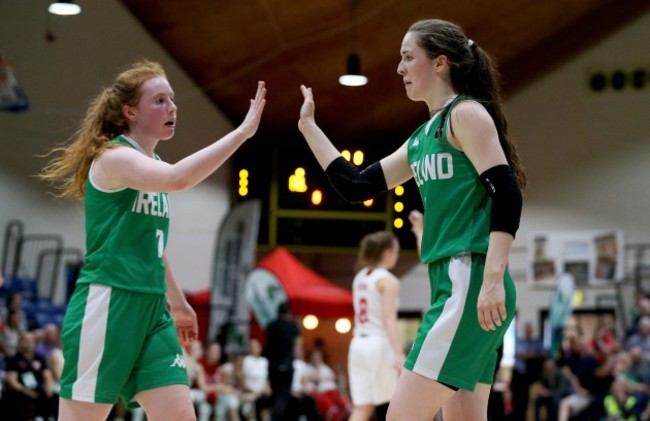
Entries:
{"x":450,"y":346}
{"x":118,"y":336}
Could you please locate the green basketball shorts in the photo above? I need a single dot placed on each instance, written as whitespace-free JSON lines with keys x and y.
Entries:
{"x":450,"y":346}
{"x":118,"y":343}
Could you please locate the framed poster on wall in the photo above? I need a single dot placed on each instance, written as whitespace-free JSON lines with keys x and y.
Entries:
{"x":592,"y":257}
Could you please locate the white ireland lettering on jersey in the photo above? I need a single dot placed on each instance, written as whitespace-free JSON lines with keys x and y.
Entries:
{"x":154,"y":204}
{"x":416,"y":174}
{"x":429,"y":167}
{"x":433,"y":167}
{"x":445,"y":166}
{"x":165,"y":203}
{"x":142,"y":203}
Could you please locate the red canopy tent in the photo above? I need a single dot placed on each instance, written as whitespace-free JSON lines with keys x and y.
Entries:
{"x":307,"y":291}
{"x":310,"y":293}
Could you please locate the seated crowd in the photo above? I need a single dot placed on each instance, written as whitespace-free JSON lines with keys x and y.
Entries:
{"x":223,"y":387}
{"x":31,"y":361}
{"x":602,"y":377}
{"x":237,"y":388}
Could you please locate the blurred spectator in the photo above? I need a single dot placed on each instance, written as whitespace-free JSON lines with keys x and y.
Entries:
{"x":210,"y":362}
{"x":47,"y":340}
{"x":627,"y":379}
{"x":332,"y":403}
{"x":639,"y":365}
{"x":603,"y":342}
{"x":228,"y":400}
{"x":590,"y":382}
{"x":198,"y":384}
{"x":529,"y":355}
{"x":319,"y":344}
{"x":642,"y":309}
{"x":550,"y":389}
{"x":14,"y":302}
{"x":302,"y":403}
{"x":256,"y":378}
{"x":623,"y":370}
{"x":12,"y":329}
{"x":29,"y":391}
{"x":281,"y":335}
{"x":619,"y":404}
{"x":641,"y":338}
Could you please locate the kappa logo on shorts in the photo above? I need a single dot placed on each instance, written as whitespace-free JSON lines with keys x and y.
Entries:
{"x":179,"y":361}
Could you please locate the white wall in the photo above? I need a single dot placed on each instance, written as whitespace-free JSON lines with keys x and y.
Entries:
{"x":60,"y":79}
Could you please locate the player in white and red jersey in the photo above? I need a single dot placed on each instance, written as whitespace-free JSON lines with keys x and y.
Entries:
{"x":376,"y":354}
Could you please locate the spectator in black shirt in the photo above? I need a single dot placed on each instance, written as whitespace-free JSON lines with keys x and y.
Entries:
{"x":281,"y":335}
{"x":29,"y":384}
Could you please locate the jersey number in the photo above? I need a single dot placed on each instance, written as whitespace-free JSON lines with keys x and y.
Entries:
{"x":160,"y":235}
{"x":363,"y":310}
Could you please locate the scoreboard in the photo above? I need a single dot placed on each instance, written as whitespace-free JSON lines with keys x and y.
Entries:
{"x":301,"y":210}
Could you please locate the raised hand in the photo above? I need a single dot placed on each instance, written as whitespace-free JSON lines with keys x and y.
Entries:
{"x":308,"y":106}
{"x":252,"y":120}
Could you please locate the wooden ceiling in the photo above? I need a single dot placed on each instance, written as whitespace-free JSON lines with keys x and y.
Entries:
{"x":226,"y":46}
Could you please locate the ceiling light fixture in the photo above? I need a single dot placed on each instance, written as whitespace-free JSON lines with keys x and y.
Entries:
{"x":64,"y":8}
{"x":353,"y":76}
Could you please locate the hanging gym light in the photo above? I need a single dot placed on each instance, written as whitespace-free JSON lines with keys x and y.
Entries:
{"x":353,"y":77}
{"x":64,"y":8}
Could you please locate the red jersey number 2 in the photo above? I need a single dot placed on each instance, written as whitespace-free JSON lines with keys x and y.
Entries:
{"x":363,"y":310}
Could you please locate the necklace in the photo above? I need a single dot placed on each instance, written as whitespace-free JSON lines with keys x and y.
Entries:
{"x":436,"y":110}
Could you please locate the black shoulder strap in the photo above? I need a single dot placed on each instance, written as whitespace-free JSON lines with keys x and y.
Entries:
{"x":443,"y":118}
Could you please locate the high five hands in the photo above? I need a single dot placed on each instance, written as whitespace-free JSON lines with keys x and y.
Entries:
{"x":252,"y":120}
{"x":308,"y":107}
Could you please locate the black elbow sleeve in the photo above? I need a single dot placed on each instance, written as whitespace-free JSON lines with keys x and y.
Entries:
{"x":501,"y":185}
{"x":355,"y":186}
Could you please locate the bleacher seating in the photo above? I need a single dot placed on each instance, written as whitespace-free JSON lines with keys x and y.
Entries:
{"x":37,"y":266}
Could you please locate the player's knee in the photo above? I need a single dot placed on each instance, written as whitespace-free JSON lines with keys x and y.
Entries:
{"x":184,"y":414}
{"x":176,"y":413}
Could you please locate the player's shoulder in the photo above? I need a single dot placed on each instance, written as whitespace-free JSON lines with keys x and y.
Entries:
{"x":470,"y":120}
{"x":469,"y":108}
{"x":117,"y":149}
{"x":389,"y":277}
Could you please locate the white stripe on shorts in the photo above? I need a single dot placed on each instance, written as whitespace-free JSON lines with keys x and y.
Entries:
{"x":438,"y":341}
{"x":91,"y":342}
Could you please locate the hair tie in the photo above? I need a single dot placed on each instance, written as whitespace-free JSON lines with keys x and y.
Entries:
{"x":471,"y":44}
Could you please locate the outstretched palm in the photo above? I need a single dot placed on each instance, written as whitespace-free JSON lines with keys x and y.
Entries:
{"x":254,"y":115}
{"x":308,"y":106}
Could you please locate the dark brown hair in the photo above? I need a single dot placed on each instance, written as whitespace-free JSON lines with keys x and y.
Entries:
{"x":473,"y":73}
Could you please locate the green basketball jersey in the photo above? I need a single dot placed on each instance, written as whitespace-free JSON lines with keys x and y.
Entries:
{"x":126,"y":234}
{"x":456,"y":205}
